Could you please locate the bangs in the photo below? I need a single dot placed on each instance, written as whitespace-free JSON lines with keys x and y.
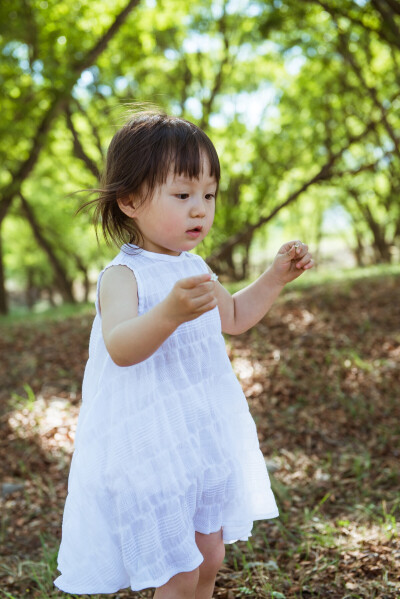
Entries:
{"x":188,"y":151}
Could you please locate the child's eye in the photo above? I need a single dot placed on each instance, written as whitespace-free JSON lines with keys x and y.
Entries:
{"x":210,"y":196}
{"x":182,"y":196}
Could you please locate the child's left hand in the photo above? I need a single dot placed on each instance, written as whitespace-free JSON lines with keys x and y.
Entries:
{"x":291,"y":261}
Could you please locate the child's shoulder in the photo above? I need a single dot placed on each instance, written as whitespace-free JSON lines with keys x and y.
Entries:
{"x":122,"y":259}
{"x":195,"y":257}
{"x":128,"y":255}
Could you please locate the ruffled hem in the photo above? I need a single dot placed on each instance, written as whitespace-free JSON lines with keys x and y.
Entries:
{"x":243,"y":534}
{"x":134,"y":586}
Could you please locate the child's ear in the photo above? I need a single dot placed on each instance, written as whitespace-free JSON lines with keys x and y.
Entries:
{"x":127,"y":205}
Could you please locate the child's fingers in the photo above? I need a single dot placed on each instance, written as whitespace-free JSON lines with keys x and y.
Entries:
{"x":290,"y":247}
{"x":299,"y":249}
{"x":191,"y":282}
{"x":302,"y":254}
{"x":305,"y":261}
{"x":204,"y":303}
{"x":202,"y":289}
{"x":201,"y":293}
{"x":309,"y":265}
{"x":293,"y":251}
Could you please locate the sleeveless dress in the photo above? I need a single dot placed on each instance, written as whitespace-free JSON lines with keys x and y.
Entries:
{"x":163,"y":448}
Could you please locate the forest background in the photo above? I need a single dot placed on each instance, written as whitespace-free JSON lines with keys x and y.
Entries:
{"x":300,"y":98}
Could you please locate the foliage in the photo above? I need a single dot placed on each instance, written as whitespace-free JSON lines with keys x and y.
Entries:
{"x":301,"y":100}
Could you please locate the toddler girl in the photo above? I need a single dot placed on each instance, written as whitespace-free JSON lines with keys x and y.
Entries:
{"x":167,"y":467}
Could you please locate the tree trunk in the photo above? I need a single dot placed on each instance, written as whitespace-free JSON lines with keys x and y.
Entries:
{"x":86,"y":283}
{"x":32,"y":292}
{"x":380,"y":245}
{"x":227,"y":258}
{"x":3,"y":294}
{"x":359,"y":250}
{"x":382,"y":249}
{"x":64,"y":285}
{"x":50,"y":296}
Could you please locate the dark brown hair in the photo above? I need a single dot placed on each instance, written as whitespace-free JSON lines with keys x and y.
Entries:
{"x":139,"y":158}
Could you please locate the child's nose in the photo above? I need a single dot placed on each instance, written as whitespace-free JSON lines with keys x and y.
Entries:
{"x":198,"y":207}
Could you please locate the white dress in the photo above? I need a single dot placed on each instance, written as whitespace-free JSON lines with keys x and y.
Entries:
{"x":163,"y":448}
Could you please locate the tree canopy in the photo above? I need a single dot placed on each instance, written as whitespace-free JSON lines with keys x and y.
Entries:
{"x":301,"y":100}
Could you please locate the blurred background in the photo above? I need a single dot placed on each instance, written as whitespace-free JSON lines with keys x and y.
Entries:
{"x":301,"y":100}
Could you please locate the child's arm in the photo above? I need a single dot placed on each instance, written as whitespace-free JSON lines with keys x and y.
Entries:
{"x":246,"y":307}
{"x":130,"y":338}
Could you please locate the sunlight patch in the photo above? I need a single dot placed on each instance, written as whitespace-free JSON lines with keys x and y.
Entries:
{"x":53,"y":420}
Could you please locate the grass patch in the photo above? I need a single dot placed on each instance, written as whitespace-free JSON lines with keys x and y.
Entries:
{"x":38,"y":315}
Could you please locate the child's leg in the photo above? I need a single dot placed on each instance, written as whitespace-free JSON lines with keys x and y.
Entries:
{"x":180,"y":586}
{"x":199,"y":583}
{"x":213,"y":549}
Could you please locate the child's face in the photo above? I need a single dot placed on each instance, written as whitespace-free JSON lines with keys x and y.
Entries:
{"x":179,"y":215}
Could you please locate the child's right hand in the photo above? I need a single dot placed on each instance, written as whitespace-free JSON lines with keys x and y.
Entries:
{"x":190,"y":298}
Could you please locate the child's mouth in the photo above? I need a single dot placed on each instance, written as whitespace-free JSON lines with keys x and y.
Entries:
{"x":195,"y":232}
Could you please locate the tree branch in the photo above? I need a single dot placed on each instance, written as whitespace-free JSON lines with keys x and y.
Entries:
{"x":393,"y":39}
{"x":207,"y":104}
{"x":324,"y":174}
{"x":59,"y":102}
{"x":78,"y":148}
{"x":26,"y":167}
{"x":364,"y":167}
{"x":394,"y":5}
{"x":372,"y":91}
{"x":101,"y":45}
{"x":94,"y":128}
{"x":385,"y":9}
{"x":186,"y":81}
